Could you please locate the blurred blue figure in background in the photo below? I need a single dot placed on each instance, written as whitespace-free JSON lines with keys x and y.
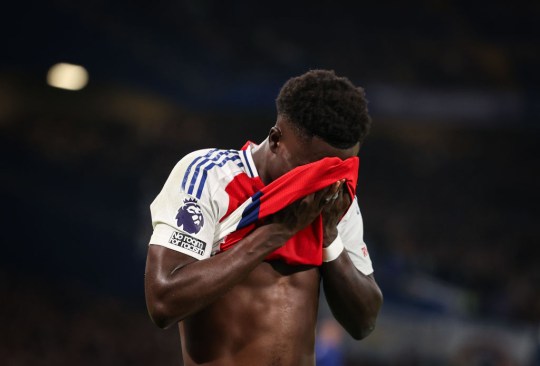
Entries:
{"x":328,"y":345}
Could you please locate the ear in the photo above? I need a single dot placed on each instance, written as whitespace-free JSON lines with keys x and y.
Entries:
{"x":274,"y":138}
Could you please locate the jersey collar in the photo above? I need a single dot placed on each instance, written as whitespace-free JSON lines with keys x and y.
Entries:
{"x":247,"y":160}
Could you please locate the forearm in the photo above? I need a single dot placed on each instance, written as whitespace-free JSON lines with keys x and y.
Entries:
{"x":354,"y":298}
{"x":187,"y":288}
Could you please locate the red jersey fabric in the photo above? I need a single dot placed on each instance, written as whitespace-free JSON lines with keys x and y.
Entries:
{"x":305,"y":248}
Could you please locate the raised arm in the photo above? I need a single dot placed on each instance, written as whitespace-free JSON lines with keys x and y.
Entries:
{"x":178,"y":285}
{"x":354,"y":297}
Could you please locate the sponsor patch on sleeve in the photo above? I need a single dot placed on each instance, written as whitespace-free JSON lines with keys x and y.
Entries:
{"x":187,"y":242}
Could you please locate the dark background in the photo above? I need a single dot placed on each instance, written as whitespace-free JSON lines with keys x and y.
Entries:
{"x":448,"y":181}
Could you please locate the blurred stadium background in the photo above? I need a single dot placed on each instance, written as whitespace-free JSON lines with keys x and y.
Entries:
{"x":449,"y":178}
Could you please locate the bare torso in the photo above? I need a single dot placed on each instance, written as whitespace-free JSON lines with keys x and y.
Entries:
{"x":268,"y":319}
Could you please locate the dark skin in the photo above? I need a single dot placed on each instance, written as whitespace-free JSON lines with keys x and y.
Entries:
{"x":235,"y":308}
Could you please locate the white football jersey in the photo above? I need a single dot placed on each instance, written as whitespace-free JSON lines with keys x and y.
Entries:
{"x":207,"y":185}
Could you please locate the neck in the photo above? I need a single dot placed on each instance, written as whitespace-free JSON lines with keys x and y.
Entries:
{"x":260,"y":158}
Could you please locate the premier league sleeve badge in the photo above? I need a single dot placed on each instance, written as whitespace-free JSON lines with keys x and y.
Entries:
{"x":189,"y":217}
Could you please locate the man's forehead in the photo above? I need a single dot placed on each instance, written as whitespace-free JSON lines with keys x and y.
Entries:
{"x":317,"y":149}
{"x":307,"y":150}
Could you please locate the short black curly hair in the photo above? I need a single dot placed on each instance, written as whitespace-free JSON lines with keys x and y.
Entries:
{"x":320,"y":103}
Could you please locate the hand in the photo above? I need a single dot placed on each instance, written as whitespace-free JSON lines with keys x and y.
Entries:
{"x":333,"y":211}
{"x":302,"y":212}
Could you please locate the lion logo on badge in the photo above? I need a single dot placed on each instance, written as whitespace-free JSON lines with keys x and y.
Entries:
{"x":189,"y":216}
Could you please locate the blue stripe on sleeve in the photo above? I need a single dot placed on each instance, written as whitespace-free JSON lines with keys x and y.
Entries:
{"x":202,"y":164}
{"x":188,"y":170}
{"x":220,"y":164}
{"x":208,"y":159}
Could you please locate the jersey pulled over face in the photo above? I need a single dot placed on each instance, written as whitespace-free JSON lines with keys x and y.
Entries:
{"x":207,"y":185}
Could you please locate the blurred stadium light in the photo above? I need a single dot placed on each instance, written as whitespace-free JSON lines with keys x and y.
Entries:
{"x":67,"y":76}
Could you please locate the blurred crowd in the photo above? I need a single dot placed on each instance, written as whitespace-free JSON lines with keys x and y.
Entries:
{"x":214,"y":53}
{"x":47,"y":324}
{"x":450,"y":206}
{"x":457,"y":205}
{"x":451,"y":203}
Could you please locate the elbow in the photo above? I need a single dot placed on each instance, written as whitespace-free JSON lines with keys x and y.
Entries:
{"x":367,"y":325}
{"x":362,"y":331}
{"x":167,"y":302}
{"x":364,"y":328}
{"x":159,"y":307}
{"x":159,"y":314}
{"x":166,"y":310}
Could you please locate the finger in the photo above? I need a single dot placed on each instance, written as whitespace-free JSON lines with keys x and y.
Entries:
{"x":339,"y":200}
{"x":337,"y":189}
{"x":325,"y":192}
{"x":320,"y":196}
{"x":344,"y":199}
{"x":332,"y":193}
